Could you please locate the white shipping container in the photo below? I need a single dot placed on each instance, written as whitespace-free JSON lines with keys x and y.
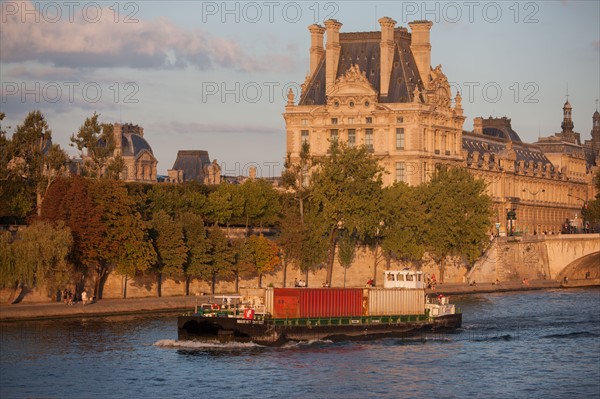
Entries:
{"x":269,"y":300}
{"x":388,"y":302}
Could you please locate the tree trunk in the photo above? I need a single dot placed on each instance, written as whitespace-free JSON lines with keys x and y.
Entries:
{"x":237,"y":282}
{"x":13,"y":293}
{"x":284,"y":271}
{"x":213,"y":283}
{"x":375,"y":264}
{"x":125,"y":287}
{"x":331,"y":256}
{"x":159,"y":284}
{"x":306,"y":277}
{"x":187,"y":286}
{"x":442,"y":269}
{"x":260,"y":280}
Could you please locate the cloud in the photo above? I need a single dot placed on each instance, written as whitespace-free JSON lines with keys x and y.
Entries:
{"x":596,"y":45}
{"x":194,"y":128}
{"x":78,"y":43}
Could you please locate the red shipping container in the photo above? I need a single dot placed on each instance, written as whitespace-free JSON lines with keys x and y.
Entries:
{"x":331,"y":302}
{"x":286,"y":303}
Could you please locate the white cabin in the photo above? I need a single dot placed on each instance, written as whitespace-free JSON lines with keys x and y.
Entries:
{"x":403,"y":279}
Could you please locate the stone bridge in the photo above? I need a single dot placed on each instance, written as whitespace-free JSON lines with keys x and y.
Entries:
{"x":539,"y":258}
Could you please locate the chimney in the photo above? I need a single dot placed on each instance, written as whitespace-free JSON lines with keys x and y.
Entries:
{"x":117,"y":134}
{"x":478,"y":125}
{"x":387,"y":53}
{"x":421,"y":48}
{"x":316,"y":46}
{"x":332,"y":55}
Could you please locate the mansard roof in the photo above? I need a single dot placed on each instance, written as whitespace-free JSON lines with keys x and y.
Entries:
{"x":192,"y":163}
{"x":501,"y":128}
{"x":494,"y":145}
{"x":363,"y":49}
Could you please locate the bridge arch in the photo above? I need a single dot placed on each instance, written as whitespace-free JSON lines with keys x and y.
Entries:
{"x":565,"y":250}
{"x":579,"y":268}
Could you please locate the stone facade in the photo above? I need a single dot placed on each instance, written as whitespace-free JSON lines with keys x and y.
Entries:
{"x":373,"y":89}
{"x":140,"y":163}
{"x":378,"y":89}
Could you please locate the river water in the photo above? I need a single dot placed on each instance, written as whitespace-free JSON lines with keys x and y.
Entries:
{"x":536,"y":344}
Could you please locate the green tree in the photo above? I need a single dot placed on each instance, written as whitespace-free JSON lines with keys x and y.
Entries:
{"x":222,"y":256}
{"x":171,"y":251}
{"x":37,"y":257}
{"x":592,"y":213}
{"x":241,"y":265}
{"x":346,"y":251}
{"x":260,"y":202}
{"x":99,"y":144}
{"x":402,"y":227}
{"x":198,"y":246}
{"x":33,"y":157}
{"x":296,"y":176}
{"x":224,"y":204}
{"x":346,"y":191}
{"x":262,"y":254}
{"x":457,"y":215}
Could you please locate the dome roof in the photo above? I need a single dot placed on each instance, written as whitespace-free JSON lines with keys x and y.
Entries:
{"x":567,"y":105}
{"x":133,"y":144}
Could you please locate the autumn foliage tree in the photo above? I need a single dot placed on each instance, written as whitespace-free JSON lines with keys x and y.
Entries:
{"x":262,"y":254}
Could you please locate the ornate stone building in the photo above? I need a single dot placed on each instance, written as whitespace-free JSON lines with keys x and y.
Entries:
{"x":378,"y":89}
{"x":140,"y":163}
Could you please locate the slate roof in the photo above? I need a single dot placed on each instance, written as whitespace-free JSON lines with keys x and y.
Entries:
{"x":192,"y":163}
{"x":362,"y":49}
{"x":133,"y":144}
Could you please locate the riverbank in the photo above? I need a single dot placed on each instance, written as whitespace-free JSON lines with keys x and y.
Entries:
{"x":133,"y":306}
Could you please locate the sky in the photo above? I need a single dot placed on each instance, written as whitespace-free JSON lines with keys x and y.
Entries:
{"x":213,"y":75}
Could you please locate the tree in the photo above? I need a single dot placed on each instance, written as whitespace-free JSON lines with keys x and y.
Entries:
{"x":171,"y":251}
{"x":260,"y":202}
{"x":346,"y":251}
{"x":36,"y":257}
{"x":592,"y":213}
{"x":262,"y":254}
{"x":127,"y":244}
{"x":295,"y":176}
{"x":301,"y":240}
{"x":33,"y":157}
{"x":198,"y":247}
{"x":221,"y":256}
{"x":241,"y":265}
{"x":402,"y":227}
{"x":346,"y":192}
{"x":99,"y":144}
{"x":224,"y":204}
{"x":457,"y":215}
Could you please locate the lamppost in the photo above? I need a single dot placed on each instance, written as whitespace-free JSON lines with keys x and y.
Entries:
{"x":525,"y":190}
{"x":510,"y":216}
{"x":583,"y":210}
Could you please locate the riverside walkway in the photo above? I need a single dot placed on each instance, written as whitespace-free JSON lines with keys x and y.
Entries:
{"x":135,"y":306}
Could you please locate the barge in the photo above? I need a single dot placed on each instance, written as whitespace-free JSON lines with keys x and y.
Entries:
{"x":274,"y":316}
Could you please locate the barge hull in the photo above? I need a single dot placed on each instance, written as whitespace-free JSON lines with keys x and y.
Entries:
{"x":267,"y":332}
